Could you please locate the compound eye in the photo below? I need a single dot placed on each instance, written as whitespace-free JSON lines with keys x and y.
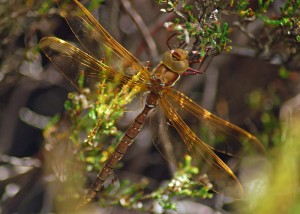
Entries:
{"x":180,"y":66}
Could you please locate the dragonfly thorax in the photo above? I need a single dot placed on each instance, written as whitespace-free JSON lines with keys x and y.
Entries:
{"x":164,"y":76}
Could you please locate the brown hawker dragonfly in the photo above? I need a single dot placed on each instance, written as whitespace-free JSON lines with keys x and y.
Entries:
{"x":122,"y":67}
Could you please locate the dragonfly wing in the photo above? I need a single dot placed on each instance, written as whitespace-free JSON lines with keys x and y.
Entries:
{"x":73,"y":63}
{"x":100,"y":44}
{"x":221,"y":135}
{"x":184,"y":139}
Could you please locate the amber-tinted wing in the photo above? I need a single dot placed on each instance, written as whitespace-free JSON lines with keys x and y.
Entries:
{"x":119,"y":65}
{"x":73,"y":63}
{"x":203,"y":127}
{"x":100,"y":44}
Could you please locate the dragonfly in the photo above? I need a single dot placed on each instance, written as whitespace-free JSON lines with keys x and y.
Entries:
{"x":121,"y":66}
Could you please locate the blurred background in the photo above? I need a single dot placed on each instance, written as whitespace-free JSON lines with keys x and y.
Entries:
{"x":255,"y":85}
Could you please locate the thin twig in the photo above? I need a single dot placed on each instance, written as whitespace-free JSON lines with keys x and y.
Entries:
{"x":142,"y":27}
{"x":210,"y":88}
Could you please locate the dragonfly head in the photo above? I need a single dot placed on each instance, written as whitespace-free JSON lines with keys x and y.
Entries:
{"x":173,"y":64}
{"x":176,"y":60}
